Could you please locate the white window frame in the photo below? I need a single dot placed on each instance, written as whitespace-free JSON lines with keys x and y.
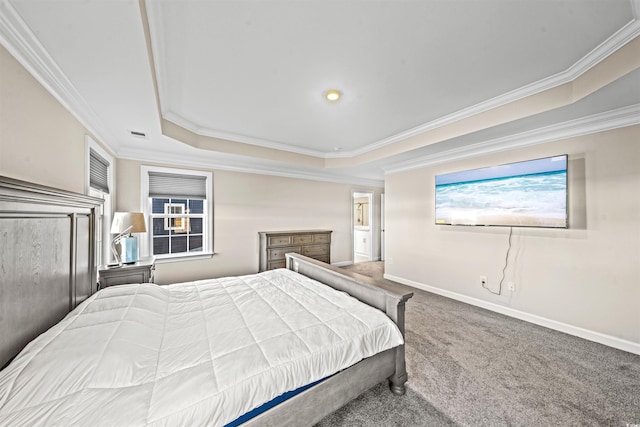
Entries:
{"x":169,"y":210}
{"x":207,"y":224}
{"x":105,"y":212}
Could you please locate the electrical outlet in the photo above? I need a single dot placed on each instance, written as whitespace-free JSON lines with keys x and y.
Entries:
{"x":483,"y":280}
{"x":511,"y":286}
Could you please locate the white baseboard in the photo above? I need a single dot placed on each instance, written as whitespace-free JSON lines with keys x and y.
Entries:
{"x":346,"y":263}
{"x":342,"y":263}
{"x":587,"y":334}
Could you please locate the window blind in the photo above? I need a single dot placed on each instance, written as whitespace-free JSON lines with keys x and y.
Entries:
{"x":98,"y":172}
{"x":169,"y":185}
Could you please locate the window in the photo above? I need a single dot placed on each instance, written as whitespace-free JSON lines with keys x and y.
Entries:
{"x":100,"y":184}
{"x":177,"y":204}
{"x":177,"y":225}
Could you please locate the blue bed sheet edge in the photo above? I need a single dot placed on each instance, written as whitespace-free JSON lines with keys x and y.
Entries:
{"x":270,"y":404}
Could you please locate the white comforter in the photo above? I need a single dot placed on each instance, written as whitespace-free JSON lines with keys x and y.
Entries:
{"x":188,"y":354}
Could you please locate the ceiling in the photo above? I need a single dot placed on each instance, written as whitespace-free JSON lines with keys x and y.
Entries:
{"x":239,"y":84}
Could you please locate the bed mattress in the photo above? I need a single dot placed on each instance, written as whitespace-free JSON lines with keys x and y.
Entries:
{"x":196,"y":353}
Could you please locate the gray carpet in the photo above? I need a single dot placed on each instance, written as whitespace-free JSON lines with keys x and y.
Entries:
{"x":380,"y":407}
{"x":473,"y":367}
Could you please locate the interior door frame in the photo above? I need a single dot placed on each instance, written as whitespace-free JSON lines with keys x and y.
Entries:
{"x":370,"y":195}
{"x":382,"y":227}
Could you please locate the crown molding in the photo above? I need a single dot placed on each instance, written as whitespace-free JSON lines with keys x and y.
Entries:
{"x":20,"y":41}
{"x":597,"y":55}
{"x":590,"y":60}
{"x":149,"y":11}
{"x":614,"y":119}
{"x":143,"y":155}
{"x":243,"y":139}
{"x":154,"y":11}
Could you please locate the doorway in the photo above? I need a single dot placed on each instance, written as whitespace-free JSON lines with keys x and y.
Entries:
{"x":362,"y":207}
{"x":382,"y":227}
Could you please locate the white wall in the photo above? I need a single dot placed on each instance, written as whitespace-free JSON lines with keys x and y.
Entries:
{"x":246,"y":203}
{"x":586,"y":277}
{"x":40,"y":141}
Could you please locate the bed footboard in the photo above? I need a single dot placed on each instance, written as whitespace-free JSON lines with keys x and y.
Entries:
{"x":381,"y":295}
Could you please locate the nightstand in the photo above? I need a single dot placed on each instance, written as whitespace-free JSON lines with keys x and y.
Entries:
{"x":139,"y":272}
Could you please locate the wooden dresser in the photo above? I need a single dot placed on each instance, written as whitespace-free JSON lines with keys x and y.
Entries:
{"x":274,"y":244}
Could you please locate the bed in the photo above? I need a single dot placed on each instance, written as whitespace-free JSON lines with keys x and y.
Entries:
{"x":106,"y":361}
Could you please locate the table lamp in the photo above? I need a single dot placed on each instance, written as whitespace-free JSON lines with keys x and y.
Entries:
{"x":125,"y":223}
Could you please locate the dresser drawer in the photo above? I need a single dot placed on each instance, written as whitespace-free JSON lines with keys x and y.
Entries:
{"x":303,"y":239}
{"x":120,"y":279}
{"x":279,"y":240}
{"x":314,"y":250}
{"x":272,"y":265}
{"x":321,"y":238}
{"x":278,"y":253}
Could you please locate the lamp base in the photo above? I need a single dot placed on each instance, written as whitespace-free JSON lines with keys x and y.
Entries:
{"x":129,"y":250}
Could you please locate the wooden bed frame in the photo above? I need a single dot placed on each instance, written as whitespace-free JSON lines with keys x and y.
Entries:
{"x":47,"y":253}
{"x":47,"y":267}
{"x":313,"y":404}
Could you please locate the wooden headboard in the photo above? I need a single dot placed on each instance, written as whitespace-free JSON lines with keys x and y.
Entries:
{"x":47,"y":259}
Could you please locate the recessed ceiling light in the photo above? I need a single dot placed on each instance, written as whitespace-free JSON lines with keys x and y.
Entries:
{"x":332,"y":95}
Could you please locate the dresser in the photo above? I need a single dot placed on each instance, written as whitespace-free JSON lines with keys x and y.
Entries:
{"x":274,"y":244}
{"x":139,"y":272}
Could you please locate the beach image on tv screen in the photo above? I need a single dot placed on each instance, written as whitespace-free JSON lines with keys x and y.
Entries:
{"x":524,"y":194}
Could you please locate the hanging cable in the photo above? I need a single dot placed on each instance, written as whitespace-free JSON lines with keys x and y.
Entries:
{"x":506,"y":263}
{"x":506,"y":258}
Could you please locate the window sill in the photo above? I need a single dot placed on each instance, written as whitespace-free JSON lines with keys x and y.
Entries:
{"x":160,"y":259}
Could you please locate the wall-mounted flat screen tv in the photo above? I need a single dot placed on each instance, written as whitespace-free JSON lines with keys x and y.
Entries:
{"x":532,"y":193}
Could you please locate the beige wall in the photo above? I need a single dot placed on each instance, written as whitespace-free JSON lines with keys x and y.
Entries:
{"x":40,"y":141}
{"x":587,"y":276}
{"x":245,"y":204}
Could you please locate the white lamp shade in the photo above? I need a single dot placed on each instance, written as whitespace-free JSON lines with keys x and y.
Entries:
{"x":123,"y":220}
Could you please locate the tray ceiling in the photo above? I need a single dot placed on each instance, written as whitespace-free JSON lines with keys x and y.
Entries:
{"x":244,"y":80}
